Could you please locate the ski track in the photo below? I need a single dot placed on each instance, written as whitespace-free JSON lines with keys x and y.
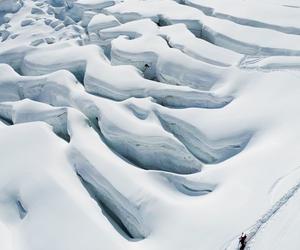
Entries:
{"x":252,"y":231}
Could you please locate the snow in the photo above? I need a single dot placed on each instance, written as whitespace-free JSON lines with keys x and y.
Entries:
{"x":100,"y":21}
{"x":248,"y":39}
{"x":179,"y":37}
{"x":149,"y":124}
{"x":251,"y":13}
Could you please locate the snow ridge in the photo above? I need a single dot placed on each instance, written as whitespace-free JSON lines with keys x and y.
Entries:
{"x":147,"y":124}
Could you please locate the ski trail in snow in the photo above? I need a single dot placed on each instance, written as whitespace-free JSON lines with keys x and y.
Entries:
{"x":255,"y":229}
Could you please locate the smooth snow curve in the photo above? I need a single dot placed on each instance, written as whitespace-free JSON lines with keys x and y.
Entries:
{"x":149,"y":124}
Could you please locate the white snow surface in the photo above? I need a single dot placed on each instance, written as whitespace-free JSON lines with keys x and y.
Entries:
{"x":149,"y":124}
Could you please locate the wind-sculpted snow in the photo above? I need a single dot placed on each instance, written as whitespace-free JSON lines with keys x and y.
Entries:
{"x":26,"y":111}
{"x":85,"y":67}
{"x":148,"y":124}
{"x":112,"y":201}
{"x":205,"y":150}
{"x":148,"y":145}
{"x":251,"y":14}
{"x":249,"y":40}
{"x":63,"y":198}
{"x":100,"y":22}
{"x":189,"y":187}
{"x":153,"y":150}
{"x":131,"y":30}
{"x":159,"y":62}
{"x":164,"y":12}
{"x":179,"y":37}
{"x":94,"y":5}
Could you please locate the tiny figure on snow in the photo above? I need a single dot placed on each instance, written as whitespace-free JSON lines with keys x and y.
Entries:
{"x":243,"y":241}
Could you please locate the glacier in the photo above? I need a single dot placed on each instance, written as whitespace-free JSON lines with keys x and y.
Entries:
{"x":149,"y":124}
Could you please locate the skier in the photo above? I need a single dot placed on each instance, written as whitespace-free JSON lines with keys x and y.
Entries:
{"x":243,"y":241}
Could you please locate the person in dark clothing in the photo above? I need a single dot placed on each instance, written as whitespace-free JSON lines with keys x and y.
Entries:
{"x":243,"y":241}
{"x":146,"y":66}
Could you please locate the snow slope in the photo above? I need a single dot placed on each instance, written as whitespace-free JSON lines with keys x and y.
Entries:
{"x":149,"y":124}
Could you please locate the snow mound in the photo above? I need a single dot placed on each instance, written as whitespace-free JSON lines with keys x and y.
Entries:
{"x":149,"y":124}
